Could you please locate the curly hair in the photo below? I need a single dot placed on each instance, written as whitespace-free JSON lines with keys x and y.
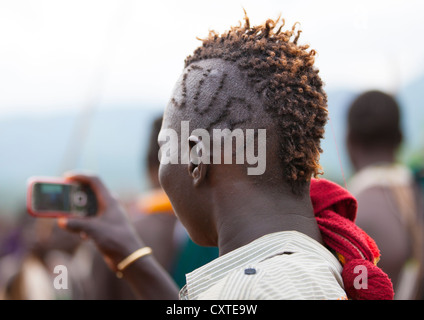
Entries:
{"x":283,"y":75}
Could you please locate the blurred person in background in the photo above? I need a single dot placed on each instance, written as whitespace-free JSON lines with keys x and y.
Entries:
{"x":12,"y":248}
{"x":390,"y":206}
{"x":35,"y":248}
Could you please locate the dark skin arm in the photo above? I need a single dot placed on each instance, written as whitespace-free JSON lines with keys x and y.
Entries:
{"x":116,"y":239}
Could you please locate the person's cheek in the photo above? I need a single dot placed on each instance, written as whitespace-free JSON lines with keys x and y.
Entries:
{"x":163,"y":175}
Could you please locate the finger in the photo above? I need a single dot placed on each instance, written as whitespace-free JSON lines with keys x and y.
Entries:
{"x":81,"y":226}
{"x":91,"y":180}
{"x":94,"y":182}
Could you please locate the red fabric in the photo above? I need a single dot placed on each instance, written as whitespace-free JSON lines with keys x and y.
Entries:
{"x":335,"y":211}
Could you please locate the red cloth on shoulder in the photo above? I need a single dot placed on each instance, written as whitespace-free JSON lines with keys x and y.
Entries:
{"x":335,"y":211}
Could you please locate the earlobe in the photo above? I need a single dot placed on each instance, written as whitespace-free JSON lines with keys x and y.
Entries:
{"x":196,"y":167}
{"x":198,"y":174}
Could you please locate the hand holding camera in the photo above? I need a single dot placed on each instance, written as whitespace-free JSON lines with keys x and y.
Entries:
{"x":84,"y":205}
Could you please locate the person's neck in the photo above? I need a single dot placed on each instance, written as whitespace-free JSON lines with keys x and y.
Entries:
{"x":244,"y":213}
{"x":372,"y":157}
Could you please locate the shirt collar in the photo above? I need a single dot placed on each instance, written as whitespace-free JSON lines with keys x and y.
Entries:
{"x":262,"y":248}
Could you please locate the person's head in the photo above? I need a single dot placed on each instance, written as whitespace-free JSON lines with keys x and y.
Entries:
{"x":151,"y":158}
{"x":373,"y":126}
{"x":250,"y":77}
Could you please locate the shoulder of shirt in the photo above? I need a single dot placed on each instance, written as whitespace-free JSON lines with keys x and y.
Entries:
{"x":281,"y":277}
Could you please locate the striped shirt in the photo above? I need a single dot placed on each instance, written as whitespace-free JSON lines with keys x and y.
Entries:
{"x":281,"y":265}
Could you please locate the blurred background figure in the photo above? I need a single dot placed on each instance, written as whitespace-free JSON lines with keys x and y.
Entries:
{"x":390,"y":203}
{"x":155,"y":221}
{"x":34,"y":248}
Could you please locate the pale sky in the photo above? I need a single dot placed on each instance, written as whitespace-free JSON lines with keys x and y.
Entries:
{"x":56,"y":55}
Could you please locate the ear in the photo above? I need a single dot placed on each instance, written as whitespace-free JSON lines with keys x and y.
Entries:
{"x":352,"y":149}
{"x":197,"y":167}
{"x":399,"y":138}
{"x":350,"y":140}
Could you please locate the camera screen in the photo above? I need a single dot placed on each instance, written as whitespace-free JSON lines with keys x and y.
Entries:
{"x":52,"y":197}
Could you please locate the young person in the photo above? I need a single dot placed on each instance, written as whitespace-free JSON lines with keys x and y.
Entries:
{"x":274,"y":236}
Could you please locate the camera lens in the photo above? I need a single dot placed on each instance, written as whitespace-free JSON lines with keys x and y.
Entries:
{"x":80,"y":199}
